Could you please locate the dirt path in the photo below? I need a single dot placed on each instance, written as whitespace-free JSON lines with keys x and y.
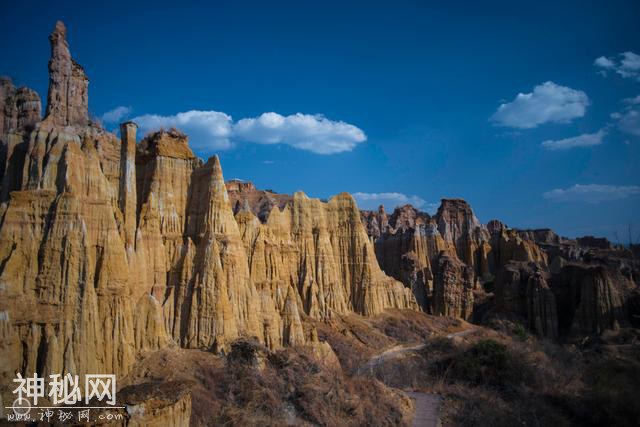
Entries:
{"x":461,"y":333}
{"x":397,"y":350}
{"x":427,"y":405}
{"x":391,"y":353}
{"x":427,"y":409}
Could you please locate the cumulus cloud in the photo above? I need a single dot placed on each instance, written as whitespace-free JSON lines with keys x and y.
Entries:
{"x":371,"y":201}
{"x":584,"y":140}
{"x":604,"y":62}
{"x":207,"y":130}
{"x":313,"y":133}
{"x":626,"y":64}
{"x":116,"y":115}
{"x":592,"y":193}
{"x":213,"y":130}
{"x":548,"y":102}
{"x":628,"y":120}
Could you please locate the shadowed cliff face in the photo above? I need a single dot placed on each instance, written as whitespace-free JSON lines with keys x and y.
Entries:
{"x":556,"y":287}
{"x":439,"y":258}
{"x":108,"y":248}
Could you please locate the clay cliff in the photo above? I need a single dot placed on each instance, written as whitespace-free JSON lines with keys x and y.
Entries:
{"x":110,"y":248}
{"x":556,"y":287}
{"x":19,"y":107}
{"x":428,"y":253}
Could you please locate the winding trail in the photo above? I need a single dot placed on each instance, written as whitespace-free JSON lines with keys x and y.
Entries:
{"x":427,"y":404}
{"x":391,"y":353}
{"x":461,"y":333}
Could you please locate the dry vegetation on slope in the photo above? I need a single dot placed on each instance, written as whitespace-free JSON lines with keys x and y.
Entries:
{"x":497,"y":376}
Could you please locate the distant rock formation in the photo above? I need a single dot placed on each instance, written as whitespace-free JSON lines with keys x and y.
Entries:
{"x":453,"y":288}
{"x":409,"y":244}
{"x":244,"y":195}
{"x":19,"y":107}
{"x":19,"y":111}
{"x":557,"y":287}
{"x":458,"y":224}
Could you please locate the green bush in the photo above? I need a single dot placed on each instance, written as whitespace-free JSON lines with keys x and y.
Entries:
{"x":520,"y":332}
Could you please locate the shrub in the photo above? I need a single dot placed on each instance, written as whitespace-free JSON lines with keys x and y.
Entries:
{"x":520,"y":332}
{"x":487,"y":363}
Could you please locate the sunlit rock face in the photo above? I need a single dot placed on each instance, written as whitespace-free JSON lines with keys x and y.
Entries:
{"x":110,"y":248}
{"x":321,"y":251}
{"x":68,"y":98}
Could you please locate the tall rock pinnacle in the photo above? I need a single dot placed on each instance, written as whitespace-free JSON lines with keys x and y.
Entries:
{"x":67,"y":101}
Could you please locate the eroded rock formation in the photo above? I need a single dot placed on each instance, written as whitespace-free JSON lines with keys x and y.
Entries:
{"x":409,"y":244}
{"x":453,"y":289}
{"x":555,"y":286}
{"x":19,"y":107}
{"x":110,"y":248}
{"x":68,"y":98}
{"x":244,"y":195}
{"x":322,"y":251}
{"x":458,"y":224}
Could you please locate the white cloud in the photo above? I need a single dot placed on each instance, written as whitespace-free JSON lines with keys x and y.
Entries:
{"x":207,"y":130}
{"x":592,"y":193}
{"x":212,"y":130}
{"x":116,"y":115}
{"x":548,"y":102}
{"x":371,"y":201}
{"x":584,"y":140}
{"x":604,"y":62}
{"x":313,"y":133}
{"x":628,"y":121}
{"x":632,"y":101}
{"x":627,"y":65}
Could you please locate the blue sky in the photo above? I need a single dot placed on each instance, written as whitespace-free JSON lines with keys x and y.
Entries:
{"x":412,"y":99}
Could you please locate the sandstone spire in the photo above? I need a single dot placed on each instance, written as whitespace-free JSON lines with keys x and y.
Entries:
{"x":67,"y":101}
{"x":128,"y":197}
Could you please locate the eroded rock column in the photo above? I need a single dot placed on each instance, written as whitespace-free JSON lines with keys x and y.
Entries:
{"x":68,"y":98}
{"x":127,"y":195}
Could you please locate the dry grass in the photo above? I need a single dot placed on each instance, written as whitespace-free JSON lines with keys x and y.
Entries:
{"x":489,"y":377}
{"x":253,"y":386}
